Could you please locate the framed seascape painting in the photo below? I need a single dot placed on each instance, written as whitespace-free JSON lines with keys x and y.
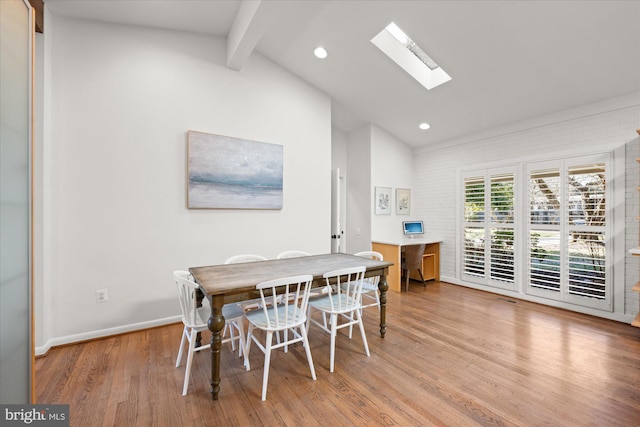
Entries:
{"x":383,"y":200}
{"x":232,"y":173}
{"x":403,"y":201}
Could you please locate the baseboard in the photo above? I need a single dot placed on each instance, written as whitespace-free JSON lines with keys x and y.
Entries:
{"x":102,"y":333}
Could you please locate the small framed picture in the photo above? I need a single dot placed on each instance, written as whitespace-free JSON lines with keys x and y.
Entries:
{"x":403,"y":201}
{"x":383,"y":200}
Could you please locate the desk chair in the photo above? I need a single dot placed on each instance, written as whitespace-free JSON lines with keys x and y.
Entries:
{"x":342,"y":302}
{"x":284,"y":308}
{"x":195,"y":320}
{"x":412,"y":260}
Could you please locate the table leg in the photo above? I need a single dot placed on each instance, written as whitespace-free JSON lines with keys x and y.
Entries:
{"x":216,"y":326}
{"x":383,"y":286}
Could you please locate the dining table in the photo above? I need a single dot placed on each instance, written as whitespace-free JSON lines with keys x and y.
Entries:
{"x":229,"y":283}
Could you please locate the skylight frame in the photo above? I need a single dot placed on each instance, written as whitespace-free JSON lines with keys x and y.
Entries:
{"x":399,"y":47}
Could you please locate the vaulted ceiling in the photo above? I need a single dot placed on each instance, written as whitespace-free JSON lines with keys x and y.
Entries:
{"x":509,"y":60}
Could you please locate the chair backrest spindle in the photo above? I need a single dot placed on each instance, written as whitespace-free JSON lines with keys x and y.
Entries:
{"x":348,"y":286}
{"x":290,"y":295}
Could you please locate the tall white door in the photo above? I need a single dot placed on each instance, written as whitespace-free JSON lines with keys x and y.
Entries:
{"x":337,"y":212}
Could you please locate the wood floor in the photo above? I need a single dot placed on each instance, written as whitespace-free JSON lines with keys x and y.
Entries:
{"x":452,"y":356}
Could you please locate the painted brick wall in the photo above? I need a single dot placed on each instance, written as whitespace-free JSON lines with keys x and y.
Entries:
{"x":587,"y":129}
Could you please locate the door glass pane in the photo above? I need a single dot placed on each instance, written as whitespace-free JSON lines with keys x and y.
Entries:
{"x":586,"y":189}
{"x":502,"y":199}
{"x":474,"y":199}
{"x":544,"y":197}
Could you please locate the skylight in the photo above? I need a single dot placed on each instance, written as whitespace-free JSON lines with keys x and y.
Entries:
{"x":409,"y":56}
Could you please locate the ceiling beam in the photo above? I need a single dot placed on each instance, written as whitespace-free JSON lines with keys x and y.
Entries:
{"x":251,"y":21}
{"x":38,"y":8}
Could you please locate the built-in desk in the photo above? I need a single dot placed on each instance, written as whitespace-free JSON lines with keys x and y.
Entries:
{"x":392,"y":252}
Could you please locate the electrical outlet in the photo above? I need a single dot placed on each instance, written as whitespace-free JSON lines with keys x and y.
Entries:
{"x":102,"y":295}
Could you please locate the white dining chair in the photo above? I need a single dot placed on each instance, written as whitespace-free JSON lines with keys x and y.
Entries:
{"x":283,"y":309}
{"x":297,"y":254}
{"x":370,"y":293}
{"x":341,"y":303}
{"x":370,"y":296}
{"x":237,"y":259}
{"x":292,"y":254}
{"x":195,"y":320}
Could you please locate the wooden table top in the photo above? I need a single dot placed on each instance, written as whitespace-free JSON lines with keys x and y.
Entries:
{"x":229,"y":279}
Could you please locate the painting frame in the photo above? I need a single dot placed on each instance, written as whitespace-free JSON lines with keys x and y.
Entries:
{"x":225,"y":172}
{"x":382,"y":200}
{"x":403,"y":201}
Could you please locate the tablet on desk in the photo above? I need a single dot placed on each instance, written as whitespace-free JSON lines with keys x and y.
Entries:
{"x":413,"y":229}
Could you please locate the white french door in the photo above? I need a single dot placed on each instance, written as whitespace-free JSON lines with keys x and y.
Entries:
{"x":568,"y":231}
{"x":489,"y":233}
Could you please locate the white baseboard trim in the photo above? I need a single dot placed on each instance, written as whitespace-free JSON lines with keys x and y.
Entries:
{"x":85,"y":336}
{"x":619,"y":317}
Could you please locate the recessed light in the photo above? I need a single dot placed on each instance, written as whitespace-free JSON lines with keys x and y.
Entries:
{"x":320,"y":52}
{"x":424,"y":126}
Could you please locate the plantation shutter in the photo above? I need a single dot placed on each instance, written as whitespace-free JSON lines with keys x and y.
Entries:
{"x":567,"y":231}
{"x":544,"y":231}
{"x":586,"y":224}
{"x":502,"y":228}
{"x":489,"y":227}
{"x":473,"y":252}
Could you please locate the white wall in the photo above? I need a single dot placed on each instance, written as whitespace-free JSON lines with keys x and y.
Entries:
{"x":359,"y":201}
{"x":122,"y":99}
{"x":391,"y":166}
{"x":590,"y":128}
{"x":338,"y":149}
{"x":375,"y":159}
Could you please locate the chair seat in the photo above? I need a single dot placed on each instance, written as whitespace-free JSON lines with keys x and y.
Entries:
{"x":231,"y":312}
{"x":251,"y":304}
{"x":259,"y":319}
{"x":345,"y":302}
{"x":367,"y":286}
